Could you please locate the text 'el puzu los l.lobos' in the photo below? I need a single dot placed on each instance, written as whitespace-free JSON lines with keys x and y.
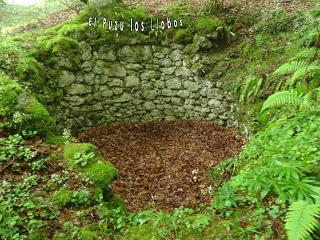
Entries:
{"x":153,"y":24}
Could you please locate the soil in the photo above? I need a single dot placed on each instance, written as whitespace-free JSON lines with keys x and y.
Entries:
{"x":164,"y":164}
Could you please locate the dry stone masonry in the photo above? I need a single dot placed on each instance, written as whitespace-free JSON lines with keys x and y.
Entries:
{"x":134,"y":83}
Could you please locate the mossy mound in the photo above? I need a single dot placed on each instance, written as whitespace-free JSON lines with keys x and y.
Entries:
{"x":62,"y":197}
{"x":22,"y":110}
{"x":88,"y":234}
{"x":95,"y":167}
{"x":208,"y":24}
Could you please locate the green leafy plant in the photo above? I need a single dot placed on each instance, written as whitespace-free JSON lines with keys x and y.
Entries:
{"x":302,"y":219}
{"x":83,"y":158}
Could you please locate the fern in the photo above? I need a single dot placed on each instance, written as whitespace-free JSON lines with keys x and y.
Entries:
{"x":308,"y":71}
{"x":289,"y":68}
{"x":302,"y":220}
{"x":251,"y":88}
{"x":306,"y":53}
{"x":283,"y":98}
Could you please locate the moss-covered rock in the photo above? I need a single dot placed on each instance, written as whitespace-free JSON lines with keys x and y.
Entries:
{"x":55,"y":140}
{"x":71,"y":149}
{"x":38,"y":235}
{"x":30,"y":69}
{"x":101,"y":173}
{"x":87,"y":234}
{"x":37,"y":117}
{"x":14,"y":99}
{"x":97,"y":169}
{"x":9,"y":92}
{"x":62,"y":197}
{"x":208,"y":24}
{"x":183,"y":36}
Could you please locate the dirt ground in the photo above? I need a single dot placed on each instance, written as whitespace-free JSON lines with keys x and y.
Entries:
{"x":164,"y":164}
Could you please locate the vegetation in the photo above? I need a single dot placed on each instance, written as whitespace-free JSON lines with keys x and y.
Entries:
{"x":53,"y":187}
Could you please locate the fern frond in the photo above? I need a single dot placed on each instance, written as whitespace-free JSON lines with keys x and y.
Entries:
{"x":308,"y":71}
{"x":301,"y":220}
{"x":282,"y":98}
{"x":289,"y":68}
{"x":306,"y":53}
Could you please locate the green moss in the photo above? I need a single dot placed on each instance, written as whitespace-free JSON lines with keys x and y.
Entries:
{"x":101,"y":173}
{"x":55,"y":140}
{"x":38,"y":235}
{"x":182,"y":36}
{"x":37,"y":116}
{"x":9,"y":91}
{"x":61,"y":236}
{"x":143,"y":232}
{"x":62,"y":197}
{"x":208,"y":24}
{"x":30,"y":69}
{"x":87,"y":234}
{"x":36,"y":110}
{"x":190,"y":48}
{"x":71,"y":149}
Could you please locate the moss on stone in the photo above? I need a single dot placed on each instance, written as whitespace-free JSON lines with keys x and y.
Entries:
{"x":190,"y":49}
{"x":87,"y":234}
{"x":9,"y":91}
{"x":62,"y":197}
{"x":182,"y":36}
{"x":30,"y":69}
{"x":38,"y":234}
{"x":38,"y":118}
{"x":55,"y":140}
{"x":71,"y":149}
{"x":208,"y":24}
{"x":61,"y":236}
{"x":98,"y":170}
{"x":101,"y":173}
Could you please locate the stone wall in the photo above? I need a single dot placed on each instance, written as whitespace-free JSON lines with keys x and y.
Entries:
{"x":133,"y":83}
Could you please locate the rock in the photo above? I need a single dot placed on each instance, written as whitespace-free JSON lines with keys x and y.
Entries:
{"x":149,"y":74}
{"x":168,"y":70}
{"x":166,"y":62}
{"x":183,"y":71}
{"x":107,"y":54}
{"x":117,"y":90}
{"x":134,"y":54}
{"x":115,"y":70}
{"x":87,"y":66}
{"x":167,"y":92}
{"x":202,"y":42}
{"x":149,"y":105}
{"x":66,"y":78}
{"x":173,"y":83}
{"x":86,"y":51}
{"x":159,"y":55}
{"x":176,"y":55}
{"x":159,"y":84}
{"x":176,"y":101}
{"x":64,"y":63}
{"x":133,"y":66}
{"x":183,"y":93}
{"x":106,"y":91}
{"x":132,"y":81}
{"x":150,"y":94}
{"x":79,"y":89}
{"x":191,"y":86}
{"x":125,"y":97}
{"x":115,"y":82}
{"x":76,"y":100}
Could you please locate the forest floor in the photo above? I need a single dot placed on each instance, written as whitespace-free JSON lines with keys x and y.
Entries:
{"x":164,"y":164}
